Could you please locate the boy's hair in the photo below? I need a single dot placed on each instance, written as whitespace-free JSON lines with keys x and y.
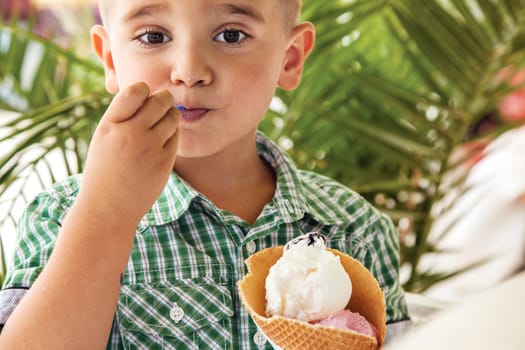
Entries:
{"x":291,"y":10}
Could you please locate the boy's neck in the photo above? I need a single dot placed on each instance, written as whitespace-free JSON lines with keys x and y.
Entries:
{"x":234,"y":180}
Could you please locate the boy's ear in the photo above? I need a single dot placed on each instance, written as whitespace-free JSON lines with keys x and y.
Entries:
{"x":301,"y":44}
{"x":100,"y":43}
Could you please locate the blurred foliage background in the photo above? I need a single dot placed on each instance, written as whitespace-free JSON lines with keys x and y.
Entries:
{"x":391,"y":91}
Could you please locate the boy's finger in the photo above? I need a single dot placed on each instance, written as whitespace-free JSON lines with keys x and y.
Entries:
{"x":167,"y":126}
{"x":171,"y":146}
{"x":127,"y":102}
{"x":155,"y":107}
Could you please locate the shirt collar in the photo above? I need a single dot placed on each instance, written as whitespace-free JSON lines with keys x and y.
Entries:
{"x":172,"y":203}
{"x":290,"y":200}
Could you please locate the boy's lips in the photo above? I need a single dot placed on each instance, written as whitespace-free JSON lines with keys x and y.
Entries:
{"x":192,"y":114}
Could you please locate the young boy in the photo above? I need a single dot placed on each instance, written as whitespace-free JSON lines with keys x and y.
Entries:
{"x":148,"y":244}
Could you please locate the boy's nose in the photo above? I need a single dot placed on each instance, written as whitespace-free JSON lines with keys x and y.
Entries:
{"x":190,"y":68}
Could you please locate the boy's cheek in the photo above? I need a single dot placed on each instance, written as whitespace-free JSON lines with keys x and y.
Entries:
{"x":126,"y":77}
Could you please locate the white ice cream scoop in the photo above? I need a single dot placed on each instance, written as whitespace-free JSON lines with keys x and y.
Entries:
{"x":308,"y":282}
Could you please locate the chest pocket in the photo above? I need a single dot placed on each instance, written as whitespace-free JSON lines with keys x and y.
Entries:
{"x":185,"y":314}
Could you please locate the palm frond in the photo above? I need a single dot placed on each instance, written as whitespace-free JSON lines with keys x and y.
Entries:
{"x":392,"y":89}
{"x":55,"y":99}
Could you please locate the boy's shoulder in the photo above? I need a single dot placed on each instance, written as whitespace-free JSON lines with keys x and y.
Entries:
{"x":326,"y":185}
{"x":327,"y":188}
{"x":64,"y":189}
{"x":326,"y":197}
{"x":60,"y":195}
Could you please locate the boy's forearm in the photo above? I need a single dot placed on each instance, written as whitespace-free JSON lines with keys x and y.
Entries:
{"x":72,"y":303}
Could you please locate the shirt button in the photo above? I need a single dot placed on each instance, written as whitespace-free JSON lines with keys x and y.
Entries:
{"x":250,"y":247}
{"x":259,"y":339}
{"x":176,"y":313}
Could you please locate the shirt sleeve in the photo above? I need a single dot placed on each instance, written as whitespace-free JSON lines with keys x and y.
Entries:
{"x":37,"y":231}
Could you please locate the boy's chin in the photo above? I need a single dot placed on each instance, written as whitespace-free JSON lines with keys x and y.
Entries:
{"x":194,"y":153}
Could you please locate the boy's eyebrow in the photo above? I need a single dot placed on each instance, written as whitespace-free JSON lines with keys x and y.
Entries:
{"x":244,"y":10}
{"x":143,"y":11}
{"x":234,"y":9}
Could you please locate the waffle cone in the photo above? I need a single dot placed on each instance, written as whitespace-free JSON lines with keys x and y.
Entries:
{"x":367,"y":299}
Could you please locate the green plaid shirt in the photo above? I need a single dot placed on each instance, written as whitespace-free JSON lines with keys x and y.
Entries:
{"x":179,"y":290}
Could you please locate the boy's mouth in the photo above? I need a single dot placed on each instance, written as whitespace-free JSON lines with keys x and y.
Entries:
{"x":192,"y":114}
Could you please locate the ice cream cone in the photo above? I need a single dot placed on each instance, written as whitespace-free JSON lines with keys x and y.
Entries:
{"x":367,"y":299}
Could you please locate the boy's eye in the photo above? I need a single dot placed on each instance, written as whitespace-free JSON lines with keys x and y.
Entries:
{"x":153,"y":38}
{"x":231,"y":36}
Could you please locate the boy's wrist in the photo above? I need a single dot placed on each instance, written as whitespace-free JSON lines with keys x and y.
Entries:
{"x":93,"y":211}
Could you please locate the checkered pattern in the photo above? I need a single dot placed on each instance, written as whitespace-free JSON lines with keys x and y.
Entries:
{"x":179,"y":288}
{"x":9,"y":299}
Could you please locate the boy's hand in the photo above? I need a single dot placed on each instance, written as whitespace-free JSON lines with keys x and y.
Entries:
{"x":131,"y":154}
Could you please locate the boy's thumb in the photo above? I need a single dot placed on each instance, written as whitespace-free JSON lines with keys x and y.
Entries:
{"x":127,"y":102}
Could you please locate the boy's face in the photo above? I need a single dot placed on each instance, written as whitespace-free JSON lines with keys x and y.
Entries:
{"x":220,"y":59}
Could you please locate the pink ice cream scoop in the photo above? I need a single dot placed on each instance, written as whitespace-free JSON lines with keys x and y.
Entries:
{"x":347,"y":319}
